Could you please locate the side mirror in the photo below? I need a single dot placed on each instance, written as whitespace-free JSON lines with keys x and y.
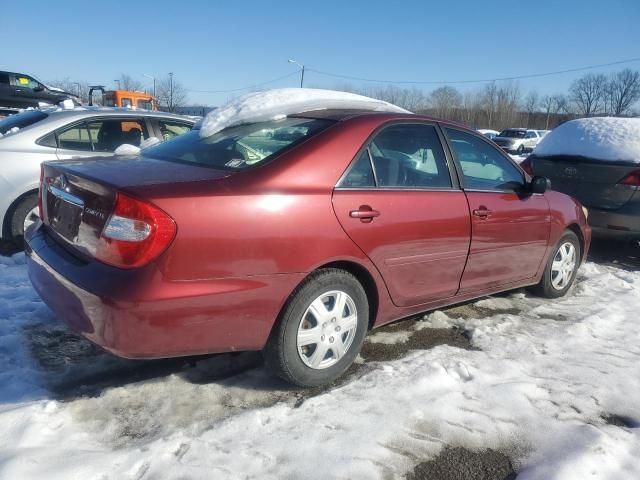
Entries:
{"x":39,"y":88}
{"x":540,"y":184}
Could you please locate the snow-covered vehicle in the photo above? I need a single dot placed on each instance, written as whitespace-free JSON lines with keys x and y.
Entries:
{"x":597,"y":161}
{"x":33,"y":136}
{"x":487,"y":132}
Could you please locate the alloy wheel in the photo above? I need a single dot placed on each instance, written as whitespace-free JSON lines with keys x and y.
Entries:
{"x":30,"y":218}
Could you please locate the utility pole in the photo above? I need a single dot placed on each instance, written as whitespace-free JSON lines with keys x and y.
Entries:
{"x":117,"y":83}
{"x":301,"y":71}
{"x":77,"y":84}
{"x":171,"y":91}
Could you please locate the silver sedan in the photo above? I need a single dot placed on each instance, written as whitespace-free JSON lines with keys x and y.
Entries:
{"x":33,"y":136}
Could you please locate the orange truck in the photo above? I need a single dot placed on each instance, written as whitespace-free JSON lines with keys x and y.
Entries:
{"x":124,"y":98}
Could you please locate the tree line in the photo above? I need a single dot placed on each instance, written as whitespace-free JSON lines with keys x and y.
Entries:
{"x":499,"y":105}
{"x":496,"y":105}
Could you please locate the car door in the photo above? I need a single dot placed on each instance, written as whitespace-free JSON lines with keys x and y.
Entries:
{"x":510,"y":228}
{"x":7,"y":93}
{"x":400,"y":204}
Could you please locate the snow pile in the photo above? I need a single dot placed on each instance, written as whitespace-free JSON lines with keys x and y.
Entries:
{"x":536,"y":388}
{"x":602,"y":138}
{"x":67,"y":104}
{"x":128,"y":149}
{"x":278,"y":103}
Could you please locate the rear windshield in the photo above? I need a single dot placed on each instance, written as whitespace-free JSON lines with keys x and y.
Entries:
{"x":21,"y":120}
{"x":513,"y":133}
{"x":240,"y":147}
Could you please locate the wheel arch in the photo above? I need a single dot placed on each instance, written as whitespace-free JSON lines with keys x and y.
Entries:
{"x":575,"y":228}
{"x":6,"y":221}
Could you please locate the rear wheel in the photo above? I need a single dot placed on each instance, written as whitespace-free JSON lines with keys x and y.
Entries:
{"x":321,"y":330}
{"x":520,"y":149}
{"x":561,"y":268}
{"x":25,"y":214}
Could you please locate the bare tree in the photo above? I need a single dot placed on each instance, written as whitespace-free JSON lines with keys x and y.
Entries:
{"x":623,"y":90}
{"x":588,"y":93}
{"x":444,"y":100}
{"x":489,"y":100}
{"x":170,"y":93}
{"x":531,"y":104}
{"x":81,"y":89}
{"x":127,"y":82}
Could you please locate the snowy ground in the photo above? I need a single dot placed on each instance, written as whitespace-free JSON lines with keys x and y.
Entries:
{"x":552,"y":385}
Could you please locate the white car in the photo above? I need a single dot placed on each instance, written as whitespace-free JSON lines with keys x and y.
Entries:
{"x":490,"y":134}
{"x":33,"y":136}
{"x":517,"y":140}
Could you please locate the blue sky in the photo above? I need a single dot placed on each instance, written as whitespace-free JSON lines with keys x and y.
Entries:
{"x":214,"y":46}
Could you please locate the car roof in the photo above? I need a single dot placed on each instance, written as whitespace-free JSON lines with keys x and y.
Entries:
{"x":81,"y":112}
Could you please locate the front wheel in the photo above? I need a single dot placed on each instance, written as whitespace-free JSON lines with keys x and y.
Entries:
{"x":561,"y":268}
{"x":321,"y":329}
{"x":520,"y":150}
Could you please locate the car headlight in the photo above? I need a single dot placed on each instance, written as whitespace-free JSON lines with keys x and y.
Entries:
{"x":586,"y":212}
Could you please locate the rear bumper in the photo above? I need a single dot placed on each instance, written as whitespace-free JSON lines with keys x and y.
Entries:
{"x":622,"y":223}
{"x":145,"y":316}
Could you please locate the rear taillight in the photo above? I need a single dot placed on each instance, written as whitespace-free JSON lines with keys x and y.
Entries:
{"x":631,"y":178}
{"x":40,"y":209}
{"x":527,"y":166}
{"x":136,"y":233}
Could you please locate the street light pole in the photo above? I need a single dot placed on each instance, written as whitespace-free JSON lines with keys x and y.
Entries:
{"x":171,"y":91}
{"x":154,"y":83}
{"x":301,"y":71}
{"x":117,"y":83}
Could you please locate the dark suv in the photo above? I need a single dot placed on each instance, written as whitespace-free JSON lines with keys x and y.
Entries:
{"x":22,"y":91}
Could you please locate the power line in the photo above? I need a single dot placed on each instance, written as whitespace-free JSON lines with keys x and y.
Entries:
{"x":485,"y":80}
{"x":246,"y":88}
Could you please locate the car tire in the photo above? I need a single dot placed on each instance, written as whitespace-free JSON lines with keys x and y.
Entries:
{"x":24,"y":208}
{"x":520,"y":150}
{"x":317,"y":336}
{"x":562,"y":267}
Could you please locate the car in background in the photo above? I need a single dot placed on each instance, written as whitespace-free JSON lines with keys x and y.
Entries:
{"x":490,"y":134}
{"x":542,"y":133}
{"x":517,"y":140}
{"x":192,"y":247}
{"x":597,"y":161}
{"x":33,"y":136}
{"x":18,"y":90}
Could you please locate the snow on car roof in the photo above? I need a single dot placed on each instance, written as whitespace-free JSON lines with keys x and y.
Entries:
{"x":278,"y":103}
{"x":602,"y":138}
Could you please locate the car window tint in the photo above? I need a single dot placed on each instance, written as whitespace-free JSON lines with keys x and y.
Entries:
{"x":171,"y":130}
{"x":75,"y":138}
{"x":360,"y":174}
{"x":48,"y":140}
{"x":409,"y":155}
{"x":109,"y":134}
{"x":483,"y":166}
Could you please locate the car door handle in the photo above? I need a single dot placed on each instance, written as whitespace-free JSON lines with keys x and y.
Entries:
{"x":365,"y":213}
{"x":482,"y":212}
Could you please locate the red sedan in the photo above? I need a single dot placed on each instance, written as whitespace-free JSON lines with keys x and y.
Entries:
{"x":294,"y":236}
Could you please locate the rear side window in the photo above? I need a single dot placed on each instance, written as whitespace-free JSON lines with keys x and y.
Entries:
{"x":404,"y":156}
{"x":171,"y":130}
{"x":21,"y":120}
{"x":75,"y":138}
{"x":483,"y":166}
{"x":240,"y":147}
{"x":360,"y":174}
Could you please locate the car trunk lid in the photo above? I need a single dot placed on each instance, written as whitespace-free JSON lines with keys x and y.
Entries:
{"x":594,"y":183}
{"x":78,"y":197}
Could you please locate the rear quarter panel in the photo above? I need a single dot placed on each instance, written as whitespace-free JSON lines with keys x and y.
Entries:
{"x":566,"y":212}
